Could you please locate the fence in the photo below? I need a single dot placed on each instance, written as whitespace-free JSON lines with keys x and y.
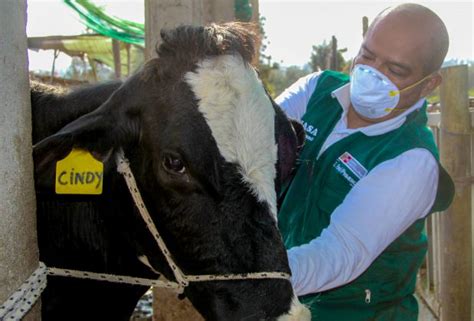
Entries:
{"x":445,"y":280}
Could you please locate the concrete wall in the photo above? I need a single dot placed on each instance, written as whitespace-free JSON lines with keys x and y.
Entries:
{"x":172,"y":13}
{"x":18,"y":247}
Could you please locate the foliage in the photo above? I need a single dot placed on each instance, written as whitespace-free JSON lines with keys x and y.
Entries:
{"x":322,"y":54}
{"x":282,"y":78}
{"x":265,"y":61}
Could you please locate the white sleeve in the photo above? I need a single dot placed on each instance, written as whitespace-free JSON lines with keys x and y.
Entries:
{"x":295,"y":98}
{"x":379,"y":208}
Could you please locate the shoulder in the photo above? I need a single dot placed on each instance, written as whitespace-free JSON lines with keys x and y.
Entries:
{"x":305,"y":84}
{"x":295,"y":98}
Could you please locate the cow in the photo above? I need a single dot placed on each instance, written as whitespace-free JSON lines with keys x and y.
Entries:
{"x":208,"y":148}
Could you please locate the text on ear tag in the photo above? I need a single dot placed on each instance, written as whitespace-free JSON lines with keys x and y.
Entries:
{"x":79,"y":173}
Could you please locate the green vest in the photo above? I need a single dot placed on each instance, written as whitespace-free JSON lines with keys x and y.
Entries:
{"x":321,"y":184}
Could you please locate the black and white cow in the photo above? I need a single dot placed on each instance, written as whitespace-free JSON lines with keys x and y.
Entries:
{"x":203,"y":139}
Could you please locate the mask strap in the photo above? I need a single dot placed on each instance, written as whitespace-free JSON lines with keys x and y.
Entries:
{"x":393,"y":93}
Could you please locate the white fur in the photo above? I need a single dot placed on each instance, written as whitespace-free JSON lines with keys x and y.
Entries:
{"x":298,"y":312}
{"x":241,"y":118}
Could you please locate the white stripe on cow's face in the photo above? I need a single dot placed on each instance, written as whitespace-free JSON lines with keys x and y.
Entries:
{"x":241,"y":118}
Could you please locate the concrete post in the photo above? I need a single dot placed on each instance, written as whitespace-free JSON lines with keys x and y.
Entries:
{"x":220,"y":11}
{"x":256,"y":20}
{"x":168,"y":14}
{"x":18,"y":245}
{"x":172,"y":13}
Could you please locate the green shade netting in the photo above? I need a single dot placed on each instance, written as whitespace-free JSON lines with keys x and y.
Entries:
{"x":97,"y":47}
{"x":96,"y":19}
{"x":100,"y":49}
{"x":128,"y":32}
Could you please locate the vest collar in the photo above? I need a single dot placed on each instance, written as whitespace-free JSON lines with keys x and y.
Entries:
{"x":342,"y":94}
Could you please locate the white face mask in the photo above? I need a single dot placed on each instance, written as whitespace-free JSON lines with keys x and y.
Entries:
{"x":373,"y":95}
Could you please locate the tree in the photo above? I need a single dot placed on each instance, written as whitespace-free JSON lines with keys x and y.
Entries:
{"x":265,"y":65}
{"x":282,"y":78}
{"x":327,"y":56}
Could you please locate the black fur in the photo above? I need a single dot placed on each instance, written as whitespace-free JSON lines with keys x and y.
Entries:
{"x":208,"y":218}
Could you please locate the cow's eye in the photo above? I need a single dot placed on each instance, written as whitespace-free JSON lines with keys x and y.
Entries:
{"x":174,"y":164}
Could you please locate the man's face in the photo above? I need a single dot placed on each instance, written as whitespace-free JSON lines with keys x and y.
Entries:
{"x":397,"y":50}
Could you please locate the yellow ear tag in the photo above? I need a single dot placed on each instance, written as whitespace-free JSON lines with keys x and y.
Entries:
{"x":79,"y":173}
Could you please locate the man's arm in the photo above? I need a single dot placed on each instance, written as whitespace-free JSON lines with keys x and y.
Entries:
{"x":378,"y":209}
{"x":295,"y":98}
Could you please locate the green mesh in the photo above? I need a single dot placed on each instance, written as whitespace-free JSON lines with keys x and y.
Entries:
{"x":95,"y":18}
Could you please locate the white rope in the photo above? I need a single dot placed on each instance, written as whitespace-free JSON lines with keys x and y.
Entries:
{"x":123,"y":167}
{"x":112,"y":278}
{"x":21,"y":301}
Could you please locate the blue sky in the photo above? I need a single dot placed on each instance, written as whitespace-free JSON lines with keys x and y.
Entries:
{"x":292,"y":26}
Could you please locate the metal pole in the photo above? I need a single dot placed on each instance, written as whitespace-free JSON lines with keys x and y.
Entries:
{"x":18,"y":244}
{"x":456,"y":278}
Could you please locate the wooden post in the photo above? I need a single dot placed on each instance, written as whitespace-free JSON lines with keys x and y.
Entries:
{"x":55,"y":56}
{"x":18,"y":244}
{"x":129,"y":61}
{"x":93,"y":65}
{"x":456,"y":255}
{"x":117,"y":62}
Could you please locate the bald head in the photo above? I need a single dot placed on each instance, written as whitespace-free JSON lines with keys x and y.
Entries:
{"x":420,"y":24}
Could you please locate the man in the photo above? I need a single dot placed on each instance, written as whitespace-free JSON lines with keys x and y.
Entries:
{"x":369,"y":174}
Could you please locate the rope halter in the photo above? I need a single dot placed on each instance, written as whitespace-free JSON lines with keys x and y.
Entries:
{"x":182,"y":280}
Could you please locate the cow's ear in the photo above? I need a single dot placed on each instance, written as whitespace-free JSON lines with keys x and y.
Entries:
{"x":300,"y":133}
{"x":101,"y":131}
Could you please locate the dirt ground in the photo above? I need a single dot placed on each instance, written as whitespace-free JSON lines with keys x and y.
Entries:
{"x":166,"y":306}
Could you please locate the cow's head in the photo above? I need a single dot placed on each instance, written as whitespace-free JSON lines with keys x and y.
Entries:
{"x":204,"y":140}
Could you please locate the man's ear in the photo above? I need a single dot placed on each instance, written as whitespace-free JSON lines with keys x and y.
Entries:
{"x":432,"y":84}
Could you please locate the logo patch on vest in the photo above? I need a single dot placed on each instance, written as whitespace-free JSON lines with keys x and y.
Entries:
{"x":310,"y":130}
{"x":350,"y":168}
